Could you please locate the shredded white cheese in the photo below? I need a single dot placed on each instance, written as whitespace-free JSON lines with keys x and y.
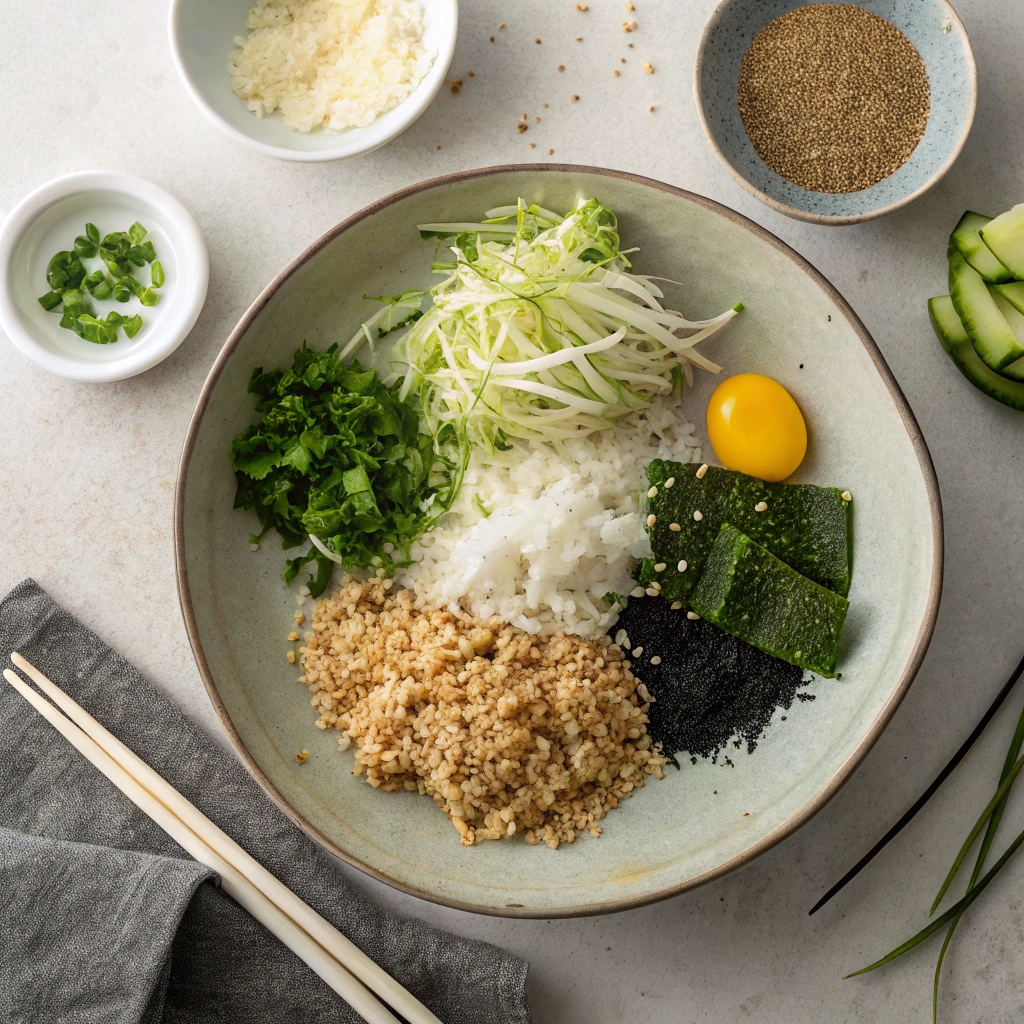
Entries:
{"x":331,"y":64}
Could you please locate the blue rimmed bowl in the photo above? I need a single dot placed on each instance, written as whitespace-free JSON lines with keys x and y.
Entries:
{"x":931,"y":25}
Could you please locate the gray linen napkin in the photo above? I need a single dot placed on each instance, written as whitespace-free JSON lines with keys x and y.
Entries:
{"x":104,"y":918}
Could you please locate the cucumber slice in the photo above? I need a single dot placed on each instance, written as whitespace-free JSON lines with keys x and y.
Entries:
{"x":967,"y":238}
{"x":981,"y":318}
{"x":1005,"y":237}
{"x":1015,"y":321}
{"x":1013,"y":293}
{"x":954,"y":339}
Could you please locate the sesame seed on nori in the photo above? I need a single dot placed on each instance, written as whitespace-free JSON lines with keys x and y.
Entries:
{"x":709,"y":688}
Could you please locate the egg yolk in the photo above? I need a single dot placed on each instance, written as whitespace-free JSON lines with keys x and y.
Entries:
{"x":755,"y":427}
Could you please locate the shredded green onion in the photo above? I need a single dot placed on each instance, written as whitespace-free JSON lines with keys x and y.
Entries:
{"x":539,"y":331}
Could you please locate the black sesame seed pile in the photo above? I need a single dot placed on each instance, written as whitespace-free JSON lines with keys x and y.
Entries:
{"x":833,"y":97}
{"x":709,"y":688}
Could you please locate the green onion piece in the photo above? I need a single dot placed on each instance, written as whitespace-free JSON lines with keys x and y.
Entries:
{"x":97,"y":331}
{"x":137,"y":233}
{"x":148,"y":297}
{"x":85,"y":247}
{"x":122,"y":292}
{"x":132,"y":325}
{"x":157,"y":272}
{"x":51,"y":300}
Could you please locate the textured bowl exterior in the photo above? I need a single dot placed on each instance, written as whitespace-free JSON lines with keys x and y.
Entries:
{"x":674,"y":834}
{"x":931,"y":25}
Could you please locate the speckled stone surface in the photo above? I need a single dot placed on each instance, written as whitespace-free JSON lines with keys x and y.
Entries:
{"x":86,"y":472}
{"x":928,"y":24}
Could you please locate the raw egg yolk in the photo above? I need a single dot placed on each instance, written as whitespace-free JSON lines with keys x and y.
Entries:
{"x":755,"y":427}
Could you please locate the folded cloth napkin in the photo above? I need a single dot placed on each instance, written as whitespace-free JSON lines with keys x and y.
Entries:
{"x":104,"y":918}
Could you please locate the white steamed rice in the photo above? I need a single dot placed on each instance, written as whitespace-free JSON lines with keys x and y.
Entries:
{"x":332,"y":64}
{"x":564,"y":528}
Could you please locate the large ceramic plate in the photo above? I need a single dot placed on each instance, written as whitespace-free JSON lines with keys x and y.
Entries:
{"x":673,"y":834}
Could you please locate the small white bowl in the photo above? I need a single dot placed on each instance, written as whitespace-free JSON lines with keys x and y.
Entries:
{"x":202,"y":34}
{"x":47,"y":221}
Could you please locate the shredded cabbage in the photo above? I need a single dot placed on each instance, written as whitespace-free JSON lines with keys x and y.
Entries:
{"x":539,"y":331}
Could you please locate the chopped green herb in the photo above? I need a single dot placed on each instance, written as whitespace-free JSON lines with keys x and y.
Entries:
{"x":70,"y":281}
{"x":340,"y":460}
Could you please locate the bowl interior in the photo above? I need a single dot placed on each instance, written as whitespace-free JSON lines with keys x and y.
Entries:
{"x":54,"y":229}
{"x":203,"y":34}
{"x":931,"y":25}
{"x":673,"y":833}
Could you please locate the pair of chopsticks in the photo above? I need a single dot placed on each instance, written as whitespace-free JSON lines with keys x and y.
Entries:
{"x":334,"y":958}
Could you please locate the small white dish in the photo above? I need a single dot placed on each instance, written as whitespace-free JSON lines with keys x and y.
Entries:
{"x":47,"y":221}
{"x":202,"y":34}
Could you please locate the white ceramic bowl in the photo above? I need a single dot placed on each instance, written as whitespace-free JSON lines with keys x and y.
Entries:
{"x":47,"y":221}
{"x":202,"y":35}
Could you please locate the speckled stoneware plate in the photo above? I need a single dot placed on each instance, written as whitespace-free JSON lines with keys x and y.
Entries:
{"x":931,"y":25}
{"x":673,"y":834}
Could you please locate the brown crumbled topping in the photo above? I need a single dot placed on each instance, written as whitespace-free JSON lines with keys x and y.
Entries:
{"x":508,"y":732}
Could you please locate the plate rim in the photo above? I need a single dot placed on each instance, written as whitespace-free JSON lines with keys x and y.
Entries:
{"x":782,"y":831}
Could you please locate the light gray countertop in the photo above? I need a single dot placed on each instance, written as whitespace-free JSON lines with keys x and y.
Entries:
{"x":87,"y":471}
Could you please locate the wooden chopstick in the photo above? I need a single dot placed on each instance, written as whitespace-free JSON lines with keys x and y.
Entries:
{"x":233,"y":881}
{"x":346,"y":952}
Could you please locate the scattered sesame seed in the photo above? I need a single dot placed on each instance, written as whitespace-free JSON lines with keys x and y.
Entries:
{"x":670,"y":482}
{"x":533,"y":145}
{"x":629,"y":26}
{"x":492,"y":39}
{"x":653,"y":492}
{"x":645,"y":694}
{"x":291,"y":657}
{"x":469,"y":74}
{"x":847,"y":496}
{"x":437,"y":147}
{"x":674,"y":527}
{"x":522,"y":117}
{"x":650,"y":110}
{"x":387,"y":547}
{"x":536,"y":120}
{"x":697,"y":515}
{"x":293,"y":636}
{"x":637,"y":651}
{"x":648,"y":67}
{"x":550,"y":151}
{"x":302,"y":757}
{"x":637,"y":592}
{"x":656,"y":660}
{"x":682,"y":565}
{"x":545,"y":106}
{"x":652,"y":519}
{"x":501,"y":24}
{"x":761,"y":506}
{"x":651,"y":592}
{"x":456,"y":84}
{"x":660,"y":567}
{"x":537,"y":41}
{"x":622,"y":60}
{"x":522,"y":127}
{"x":692,"y":616}
{"x":676,"y":605}
{"x":700,"y":472}
{"x":574,"y":98}
{"x":254,"y":547}
{"x":620,"y":637}
{"x":746,"y":814}
{"x":299,"y":618}
{"x":579,"y":39}
{"x":582,"y":7}
{"x":616,"y":72}
{"x":561,"y":67}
